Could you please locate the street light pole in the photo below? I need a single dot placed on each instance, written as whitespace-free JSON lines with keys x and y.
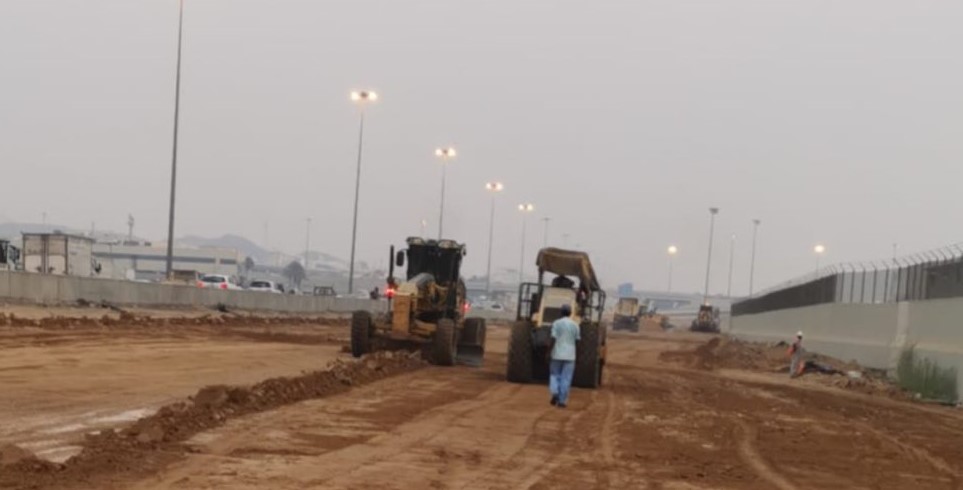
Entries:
{"x":307,"y":242}
{"x":445,"y":154}
{"x":494,"y":188}
{"x":526,"y":209}
{"x":361,"y":97}
{"x":712,"y":225}
{"x":732,"y":260}
{"x":177,"y":110}
{"x":672,"y":251}
{"x":752,"y":264}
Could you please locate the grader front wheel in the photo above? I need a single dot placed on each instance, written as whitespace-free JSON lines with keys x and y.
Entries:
{"x":443,"y":350}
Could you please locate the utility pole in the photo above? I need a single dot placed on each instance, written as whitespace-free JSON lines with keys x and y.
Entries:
{"x":712,"y":225}
{"x":307,"y":244}
{"x":752,"y":264}
{"x":177,"y":111}
{"x":732,"y":259}
{"x":493,"y":188}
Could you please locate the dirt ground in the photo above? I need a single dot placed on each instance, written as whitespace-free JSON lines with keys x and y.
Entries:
{"x":661,"y":421}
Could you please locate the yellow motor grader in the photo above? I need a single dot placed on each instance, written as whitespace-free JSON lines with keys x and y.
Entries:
{"x":427,"y":310}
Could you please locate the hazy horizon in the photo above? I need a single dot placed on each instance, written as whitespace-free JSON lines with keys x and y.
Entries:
{"x":622,"y":121}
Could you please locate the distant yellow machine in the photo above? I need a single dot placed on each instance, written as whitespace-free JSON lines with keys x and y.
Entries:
{"x":628,"y":315}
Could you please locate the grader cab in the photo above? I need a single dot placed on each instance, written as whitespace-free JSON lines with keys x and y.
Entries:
{"x":425,"y":311}
{"x":540,"y":304}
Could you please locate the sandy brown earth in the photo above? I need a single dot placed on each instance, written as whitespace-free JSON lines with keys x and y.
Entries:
{"x":61,"y":378}
{"x":659,"y":422}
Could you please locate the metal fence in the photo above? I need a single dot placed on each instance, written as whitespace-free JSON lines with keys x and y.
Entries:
{"x":928,"y":275}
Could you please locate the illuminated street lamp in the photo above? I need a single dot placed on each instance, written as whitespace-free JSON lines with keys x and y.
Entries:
{"x":672,"y":250}
{"x":494,"y":188}
{"x":525,"y":209}
{"x":445,"y":154}
{"x":819,"y":250}
{"x":362,"y":98}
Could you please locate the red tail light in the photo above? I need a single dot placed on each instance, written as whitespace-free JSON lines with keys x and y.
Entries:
{"x":200,"y":284}
{"x":223,"y":285}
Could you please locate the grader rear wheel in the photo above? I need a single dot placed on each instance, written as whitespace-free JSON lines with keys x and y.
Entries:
{"x":360,"y":333}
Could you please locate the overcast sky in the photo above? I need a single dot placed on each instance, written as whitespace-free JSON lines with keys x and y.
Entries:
{"x":839,"y":122}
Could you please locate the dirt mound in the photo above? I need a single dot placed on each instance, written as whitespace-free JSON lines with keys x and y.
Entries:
{"x":727,"y":353}
{"x":152,"y":439}
{"x":11,"y":454}
{"x":731,"y":354}
{"x":870,"y":385}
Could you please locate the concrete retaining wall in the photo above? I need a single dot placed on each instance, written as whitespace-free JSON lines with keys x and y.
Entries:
{"x":872,"y":334}
{"x":44,"y":289}
{"x":936,"y":329}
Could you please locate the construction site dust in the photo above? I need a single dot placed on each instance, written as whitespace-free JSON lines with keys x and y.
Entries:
{"x":224,"y":401}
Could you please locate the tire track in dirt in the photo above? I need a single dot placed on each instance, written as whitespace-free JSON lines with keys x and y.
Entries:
{"x":749,"y":453}
{"x":920,"y":454}
{"x":346,"y":466}
{"x":541,"y":470}
{"x":411,"y":441}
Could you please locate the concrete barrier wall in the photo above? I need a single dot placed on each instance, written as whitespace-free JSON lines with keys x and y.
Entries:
{"x":861,"y":332}
{"x":872,"y":334}
{"x":493,"y":316}
{"x":43,"y":289}
{"x":936,"y":330}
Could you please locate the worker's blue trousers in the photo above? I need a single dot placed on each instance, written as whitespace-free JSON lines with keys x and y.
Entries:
{"x":560,"y":379}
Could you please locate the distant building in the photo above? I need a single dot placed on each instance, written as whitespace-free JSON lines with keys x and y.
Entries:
{"x":59,"y":253}
{"x":9,"y":256}
{"x":141,"y":262}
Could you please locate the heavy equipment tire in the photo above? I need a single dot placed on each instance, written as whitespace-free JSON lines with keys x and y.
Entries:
{"x":520,"y":353}
{"x":443,"y":348}
{"x":588,"y":362}
{"x":360,"y":333}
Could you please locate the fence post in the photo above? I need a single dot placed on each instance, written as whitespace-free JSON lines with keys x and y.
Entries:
{"x":918,"y":293}
{"x":875,"y":278}
{"x":852,"y":285}
{"x":886,"y":285}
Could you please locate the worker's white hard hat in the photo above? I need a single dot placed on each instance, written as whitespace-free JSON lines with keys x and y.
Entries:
{"x":799,"y":334}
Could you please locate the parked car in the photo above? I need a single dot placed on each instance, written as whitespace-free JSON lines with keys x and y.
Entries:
{"x":218,"y":281}
{"x":266,"y":287}
{"x":324,"y":291}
